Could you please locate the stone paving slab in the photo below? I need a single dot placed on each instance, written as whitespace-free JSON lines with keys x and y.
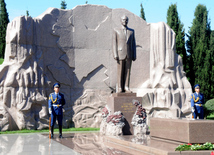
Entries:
{"x":150,"y":146}
{"x":89,"y":143}
{"x":31,"y":144}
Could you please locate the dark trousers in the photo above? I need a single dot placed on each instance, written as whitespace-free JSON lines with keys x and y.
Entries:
{"x":54,"y":117}
{"x":123,"y":74}
{"x":199,"y":112}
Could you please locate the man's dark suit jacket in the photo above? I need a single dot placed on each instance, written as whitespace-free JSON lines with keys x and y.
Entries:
{"x":124,"y":46}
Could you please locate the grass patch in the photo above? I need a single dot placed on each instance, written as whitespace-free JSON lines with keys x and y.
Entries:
{"x":1,"y":61}
{"x":211,"y":117}
{"x":47,"y":130}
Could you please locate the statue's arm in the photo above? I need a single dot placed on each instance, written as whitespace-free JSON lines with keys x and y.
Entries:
{"x":134,"y":48}
{"x":114,"y":45}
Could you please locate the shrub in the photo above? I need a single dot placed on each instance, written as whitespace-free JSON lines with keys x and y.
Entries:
{"x":209,"y":107}
{"x":195,"y":147}
{"x":1,"y":61}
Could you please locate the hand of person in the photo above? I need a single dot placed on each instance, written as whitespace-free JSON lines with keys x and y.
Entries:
{"x":50,"y":111}
{"x":193,"y":109}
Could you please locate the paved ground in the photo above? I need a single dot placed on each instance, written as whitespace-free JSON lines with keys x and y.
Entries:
{"x":72,"y":143}
{"x":31,"y":144}
{"x":87,"y":143}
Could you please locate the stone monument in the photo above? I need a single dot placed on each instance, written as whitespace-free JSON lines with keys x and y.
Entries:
{"x":124,"y":51}
{"x":123,"y":102}
{"x":74,"y":47}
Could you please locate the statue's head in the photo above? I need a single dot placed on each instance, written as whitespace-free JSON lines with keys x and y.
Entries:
{"x":124,"y":20}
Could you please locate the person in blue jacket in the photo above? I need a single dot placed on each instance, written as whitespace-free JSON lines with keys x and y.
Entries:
{"x":55,"y":103}
{"x":197,"y":102}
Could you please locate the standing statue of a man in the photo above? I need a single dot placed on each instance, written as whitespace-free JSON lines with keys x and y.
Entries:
{"x":124,"y":51}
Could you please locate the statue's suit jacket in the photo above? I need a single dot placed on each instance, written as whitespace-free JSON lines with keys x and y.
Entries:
{"x":124,"y":46}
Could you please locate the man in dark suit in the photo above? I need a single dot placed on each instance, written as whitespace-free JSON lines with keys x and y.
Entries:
{"x":55,"y":103}
{"x":124,"y":51}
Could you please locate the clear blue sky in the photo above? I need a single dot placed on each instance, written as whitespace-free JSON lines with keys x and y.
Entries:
{"x":155,"y":10}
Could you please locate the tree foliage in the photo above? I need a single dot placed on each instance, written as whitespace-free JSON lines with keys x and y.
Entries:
{"x":174,"y":22}
{"x":142,"y":14}
{"x":27,"y":13}
{"x":63,"y":4}
{"x":211,"y":67}
{"x":4,"y":20}
{"x":199,"y":45}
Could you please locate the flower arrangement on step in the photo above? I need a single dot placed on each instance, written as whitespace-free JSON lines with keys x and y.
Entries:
{"x":195,"y":147}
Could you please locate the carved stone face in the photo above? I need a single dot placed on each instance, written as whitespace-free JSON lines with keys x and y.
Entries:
{"x":124,"y":20}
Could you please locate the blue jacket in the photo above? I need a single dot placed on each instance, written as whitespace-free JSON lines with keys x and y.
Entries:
{"x":56,"y":103}
{"x":197,"y":99}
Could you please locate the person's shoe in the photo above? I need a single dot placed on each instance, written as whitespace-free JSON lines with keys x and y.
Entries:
{"x":52,"y":132}
{"x":127,"y":90}
{"x":60,"y":131}
{"x":119,"y":90}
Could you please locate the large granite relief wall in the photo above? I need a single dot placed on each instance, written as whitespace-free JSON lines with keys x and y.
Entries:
{"x":72,"y":47}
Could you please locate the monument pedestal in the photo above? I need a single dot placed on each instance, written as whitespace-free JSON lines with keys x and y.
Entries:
{"x":123,"y":102}
{"x":182,"y":130}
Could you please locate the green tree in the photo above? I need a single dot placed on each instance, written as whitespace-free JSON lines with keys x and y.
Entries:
{"x":200,"y":55}
{"x":174,"y":22}
{"x":27,"y":13}
{"x":4,"y":20}
{"x":142,"y":14}
{"x":211,"y":69}
{"x":86,"y":2}
{"x":63,"y":4}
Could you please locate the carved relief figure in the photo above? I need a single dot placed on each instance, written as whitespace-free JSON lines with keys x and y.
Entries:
{"x":124,"y":51}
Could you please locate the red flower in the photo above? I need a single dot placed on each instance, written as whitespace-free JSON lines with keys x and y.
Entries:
{"x":212,"y":153}
{"x":189,"y":144}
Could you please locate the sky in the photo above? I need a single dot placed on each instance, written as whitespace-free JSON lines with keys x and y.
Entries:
{"x":155,"y":10}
